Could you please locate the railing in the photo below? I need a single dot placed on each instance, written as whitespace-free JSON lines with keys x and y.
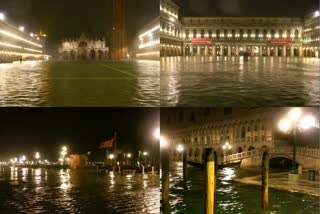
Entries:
{"x":304,"y":151}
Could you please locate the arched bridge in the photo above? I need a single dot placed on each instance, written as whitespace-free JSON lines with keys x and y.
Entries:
{"x":306,"y":157}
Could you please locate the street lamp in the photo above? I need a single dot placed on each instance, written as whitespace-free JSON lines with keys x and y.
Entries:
{"x":163,"y":142}
{"x":157,"y":133}
{"x":145,"y":157}
{"x":226,"y":146}
{"x":2,"y":17}
{"x":180,"y":148}
{"x":37,"y":155}
{"x":21,"y":28}
{"x":293,"y":123}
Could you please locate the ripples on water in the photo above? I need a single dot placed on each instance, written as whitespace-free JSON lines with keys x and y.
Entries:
{"x":129,"y":83}
{"x":228,"y":81}
{"x":232,"y":197}
{"x":24,"y":190}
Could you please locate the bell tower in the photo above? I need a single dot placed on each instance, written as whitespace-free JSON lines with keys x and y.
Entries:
{"x":119,"y":30}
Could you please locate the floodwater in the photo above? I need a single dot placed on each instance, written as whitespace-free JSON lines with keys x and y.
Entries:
{"x":229,"y":81}
{"x":24,"y":190}
{"x":80,"y":84}
{"x":232,"y":197}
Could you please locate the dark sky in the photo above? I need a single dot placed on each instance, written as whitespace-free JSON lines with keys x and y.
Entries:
{"x":247,"y":7}
{"x":68,"y":18}
{"x":25,"y":131}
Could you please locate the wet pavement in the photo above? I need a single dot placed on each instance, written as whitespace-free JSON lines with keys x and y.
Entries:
{"x":80,"y":84}
{"x":24,"y":190}
{"x":280,"y":181}
{"x":229,"y":81}
{"x":232,"y":197}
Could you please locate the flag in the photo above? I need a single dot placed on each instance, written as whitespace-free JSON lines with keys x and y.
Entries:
{"x":107,"y":144}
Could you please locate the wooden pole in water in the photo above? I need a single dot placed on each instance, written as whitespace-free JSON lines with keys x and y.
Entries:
{"x":209,"y":181}
{"x":184,"y":159}
{"x":165,"y":175}
{"x":264,"y":181}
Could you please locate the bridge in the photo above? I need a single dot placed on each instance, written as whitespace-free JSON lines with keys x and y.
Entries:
{"x":306,"y":157}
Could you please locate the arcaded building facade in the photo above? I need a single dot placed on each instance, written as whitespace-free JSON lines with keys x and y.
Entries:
{"x":84,"y":48}
{"x":245,"y":129}
{"x":235,"y":36}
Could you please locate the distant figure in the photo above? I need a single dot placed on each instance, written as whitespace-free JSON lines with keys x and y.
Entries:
{"x":21,"y":60}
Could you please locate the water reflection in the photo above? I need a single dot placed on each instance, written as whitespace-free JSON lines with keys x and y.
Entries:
{"x":84,"y":191}
{"x":232,"y":197}
{"x":226,"y":81}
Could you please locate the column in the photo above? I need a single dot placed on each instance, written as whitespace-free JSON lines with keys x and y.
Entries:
{"x":229,"y":50}
{"x":198,"y":50}
{"x":268,"y":50}
{"x":252,"y":50}
{"x":284,"y":51}
{"x":276,"y":51}
{"x":291,"y":51}
{"x":260,"y":50}
{"x":206,"y":50}
{"x":214,"y":50}
{"x":237,"y":50}
{"x":300,"y":51}
{"x":184,"y":50}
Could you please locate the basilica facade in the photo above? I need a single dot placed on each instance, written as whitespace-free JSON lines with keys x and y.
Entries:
{"x":84,"y":48}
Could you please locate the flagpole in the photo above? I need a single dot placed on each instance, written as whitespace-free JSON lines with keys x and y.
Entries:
{"x":115,"y":146}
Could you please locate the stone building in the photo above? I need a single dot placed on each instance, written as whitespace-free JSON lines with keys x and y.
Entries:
{"x":245,"y":129}
{"x":84,"y":48}
{"x":234,"y":36}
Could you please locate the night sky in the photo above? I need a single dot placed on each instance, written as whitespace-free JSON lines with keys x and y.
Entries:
{"x":25,"y":131}
{"x":279,"y":8}
{"x":69,"y":18}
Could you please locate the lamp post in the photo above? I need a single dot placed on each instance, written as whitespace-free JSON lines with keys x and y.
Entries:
{"x":37,"y":156}
{"x":226,"y":147}
{"x":294,"y":122}
{"x":145,"y":157}
{"x":63,"y":153}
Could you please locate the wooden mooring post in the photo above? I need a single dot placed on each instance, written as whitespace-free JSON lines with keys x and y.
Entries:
{"x":265,"y":181}
{"x":209,"y":181}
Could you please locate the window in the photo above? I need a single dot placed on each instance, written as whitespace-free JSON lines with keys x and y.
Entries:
{"x":248,"y":128}
{"x":210,"y":33}
{"x":288,"y":34}
{"x":263,"y":138}
{"x":280,"y":33}
{"x":296,"y":34}
{"x":227,"y":110}
{"x":265,"y":32}
{"x":218,"y":34}
{"x":194,"y":33}
{"x":243,"y":133}
{"x":255,"y":138}
{"x":241,"y":33}
{"x":202,"y":33}
{"x":257,"y":33}
{"x":248,"y":139}
{"x":233,"y":33}
{"x":255,"y":128}
{"x":187,"y":34}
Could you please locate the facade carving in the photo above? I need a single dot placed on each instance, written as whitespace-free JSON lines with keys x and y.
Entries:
{"x":230,"y":36}
{"x":84,"y":48}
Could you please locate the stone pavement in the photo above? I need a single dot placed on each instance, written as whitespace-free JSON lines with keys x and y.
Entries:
{"x":280,"y":181}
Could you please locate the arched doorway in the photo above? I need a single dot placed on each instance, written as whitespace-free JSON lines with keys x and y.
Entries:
{"x":83,"y":50}
{"x":251,"y":148}
{"x":73,"y":55}
{"x":65,"y":55}
{"x":92,"y":55}
{"x":240,"y":149}
{"x":281,"y":163}
{"x":100,"y":55}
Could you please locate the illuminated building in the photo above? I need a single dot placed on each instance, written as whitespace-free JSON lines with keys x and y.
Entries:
{"x":235,"y":36}
{"x":15,"y":43}
{"x":119,"y":48}
{"x":245,"y":129}
{"x":84,"y":48}
{"x":148,"y":41}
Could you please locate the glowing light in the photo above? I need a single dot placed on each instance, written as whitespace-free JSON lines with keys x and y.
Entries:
{"x":145,"y":153}
{"x":2,"y":17}
{"x":9,"y":45}
{"x":149,"y":31}
{"x":307,"y":122}
{"x":6,"y":33}
{"x":163,"y":142}
{"x":295,"y":114}
{"x":284,"y":125}
{"x":37,"y":156}
{"x":64,"y":148}
{"x":33,"y":50}
{"x":157,"y":133}
{"x":129,"y":155}
{"x":23,"y":158}
{"x":316,"y":14}
{"x":31,"y":34}
{"x":21,"y":28}
{"x":180,"y":148}
{"x":111,"y":156}
{"x":149,"y":44}
{"x":171,"y":19}
{"x":155,"y":53}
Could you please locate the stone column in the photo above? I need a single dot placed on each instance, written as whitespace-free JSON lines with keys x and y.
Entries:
{"x":268,"y":51}
{"x":276,"y":51}
{"x":284,"y":51}
{"x":292,"y":51}
{"x":206,"y":50}
{"x":260,"y":50}
{"x":214,"y":50}
{"x":198,"y":50}
{"x":229,"y":50}
{"x":237,"y":50}
{"x":300,"y":51}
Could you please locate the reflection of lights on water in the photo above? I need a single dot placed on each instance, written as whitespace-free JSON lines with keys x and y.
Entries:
{"x":24,"y":174}
{"x":228,"y":174}
{"x":65,"y":179}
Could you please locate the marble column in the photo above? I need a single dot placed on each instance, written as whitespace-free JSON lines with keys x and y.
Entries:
{"x":292,"y":51}
{"x":237,"y":50}
{"x":276,"y":51}
{"x":206,"y":50}
{"x":268,"y":51}
{"x":214,"y":50}
{"x":229,"y":50}
{"x":260,"y":50}
{"x":198,"y":50}
{"x":284,"y":51}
